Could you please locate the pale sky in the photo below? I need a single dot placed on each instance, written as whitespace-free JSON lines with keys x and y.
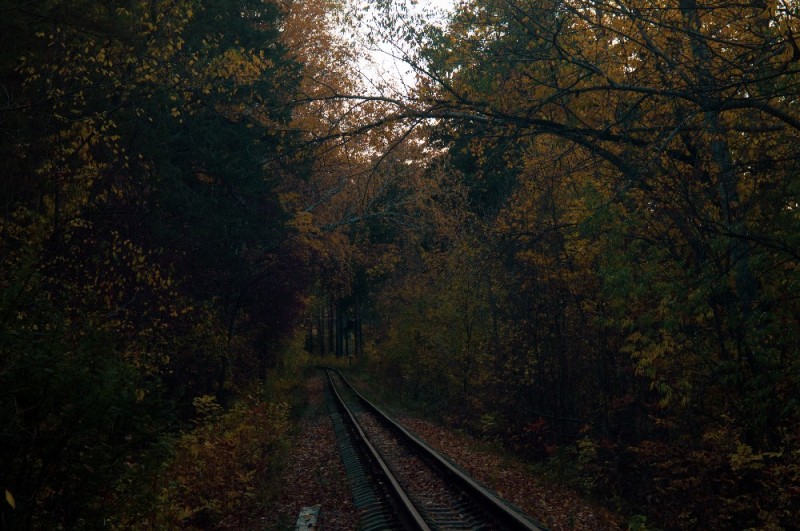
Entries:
{"x":381,"y":66}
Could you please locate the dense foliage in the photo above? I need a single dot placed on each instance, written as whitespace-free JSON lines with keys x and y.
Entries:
{"x":623,"y":285}
{"x":576,"y":235}
{"x":145,"y":256}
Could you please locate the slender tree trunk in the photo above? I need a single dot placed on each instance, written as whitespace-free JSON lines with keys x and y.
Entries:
{"x":340,"y":330}
{"x":346,"y":333}
{"x":321,"y":330}
{"x":309,"y":333}
{"x":331,"y":325}
{"x":738,"y":246}
{"x":358,"y":339}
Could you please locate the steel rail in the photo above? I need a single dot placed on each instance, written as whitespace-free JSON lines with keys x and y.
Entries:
{"x":406,"y":505}
{"x":496,"y":507}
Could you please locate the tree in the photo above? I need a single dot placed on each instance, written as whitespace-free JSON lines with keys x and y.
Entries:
{"x":646,"y":158}
{"x":142,"y":242}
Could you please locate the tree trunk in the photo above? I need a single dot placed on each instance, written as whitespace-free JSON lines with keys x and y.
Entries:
{"x":321,"y":330}
{"x":737,"y":245}
{"x":331,"y":325}
{"x":309,"y":333}
{"x":358,"y":339}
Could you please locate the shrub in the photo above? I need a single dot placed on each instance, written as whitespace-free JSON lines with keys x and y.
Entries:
{"x":223,"y":471}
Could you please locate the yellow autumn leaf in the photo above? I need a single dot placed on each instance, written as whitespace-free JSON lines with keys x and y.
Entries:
{"x":10,"y":499}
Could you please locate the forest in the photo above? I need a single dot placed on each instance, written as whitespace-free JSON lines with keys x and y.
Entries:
{"x":574,"y":233}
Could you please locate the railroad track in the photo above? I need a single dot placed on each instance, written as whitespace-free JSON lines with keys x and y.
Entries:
{"x":399,"y":482}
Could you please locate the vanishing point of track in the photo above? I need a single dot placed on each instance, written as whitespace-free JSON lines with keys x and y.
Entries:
{"x":399,"y":482}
